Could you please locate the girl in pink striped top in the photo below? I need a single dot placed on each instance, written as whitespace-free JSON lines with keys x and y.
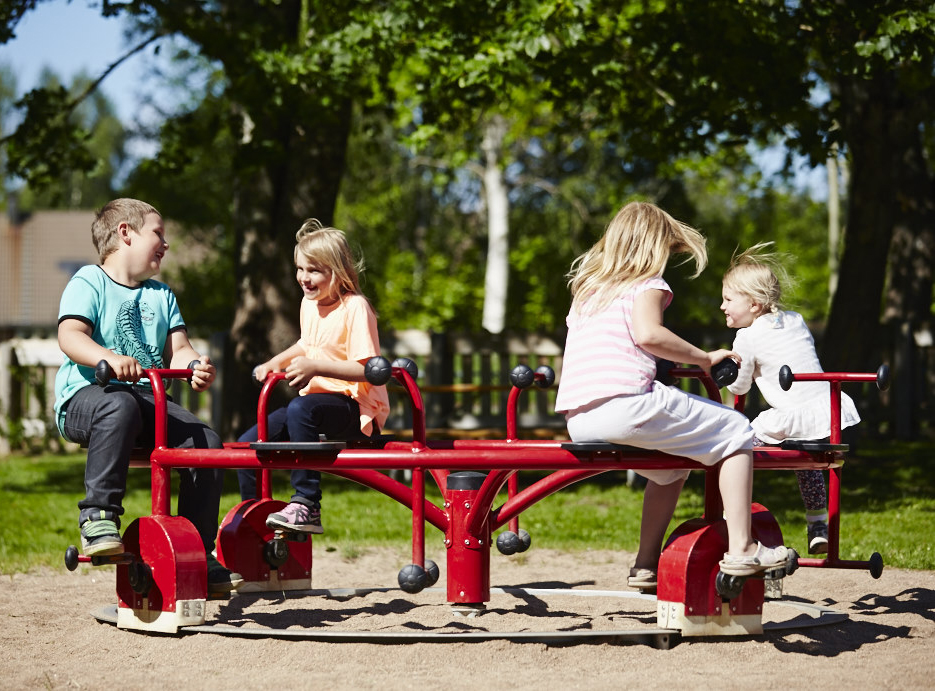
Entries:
{"x":607,"y":391}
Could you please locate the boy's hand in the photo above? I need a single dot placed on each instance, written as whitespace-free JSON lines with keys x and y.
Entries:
{"x":300,"y":372}
{"x":125,"y":367}
{"x":203,"y":374}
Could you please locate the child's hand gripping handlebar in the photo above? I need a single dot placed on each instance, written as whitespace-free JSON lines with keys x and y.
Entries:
{"x":104,"y":373}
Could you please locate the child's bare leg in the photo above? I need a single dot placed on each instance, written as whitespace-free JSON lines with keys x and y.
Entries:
{"x":736,"y":485}
{"x":659,"y":503}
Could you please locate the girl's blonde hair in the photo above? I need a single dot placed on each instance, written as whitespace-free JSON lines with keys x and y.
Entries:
{"x":636,"y":246}
{"x":759,"y":275}
{"x":328,"y":247}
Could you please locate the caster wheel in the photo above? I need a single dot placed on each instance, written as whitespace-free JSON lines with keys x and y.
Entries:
{"x":412,"y":578}
{"x":727,"y":586}
{"x":276,"y":552}
{"x":431,"y":573}
{"x":508,"y":542}
{"x":140,"y":577}
{"x":525,"y":540}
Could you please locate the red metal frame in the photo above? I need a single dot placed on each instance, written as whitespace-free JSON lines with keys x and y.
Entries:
{"x":468,"y":517}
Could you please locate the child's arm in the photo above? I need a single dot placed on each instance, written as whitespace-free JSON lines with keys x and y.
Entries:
{"x":75,"y":340}
{"x":180,"y":352}
{"x":301,"y":370}
{"x":278,"y":363}
{"x":650,"y":334}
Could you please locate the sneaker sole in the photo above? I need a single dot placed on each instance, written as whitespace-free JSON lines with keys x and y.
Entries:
{"x":273,"y":524}
{"x":819,"y":546}
{"x":102,"y":548}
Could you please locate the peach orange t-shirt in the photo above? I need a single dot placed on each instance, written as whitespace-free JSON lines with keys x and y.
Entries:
{"x":345,"y":330}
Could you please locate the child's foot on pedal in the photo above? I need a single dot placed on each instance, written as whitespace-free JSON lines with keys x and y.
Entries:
{"x":763,"y":559}
{"x":818,"y":537}
{"x":296,"y":517}
{"x":221,"y":579}
{"x":642,"y":579}
{"x":100,"y":537}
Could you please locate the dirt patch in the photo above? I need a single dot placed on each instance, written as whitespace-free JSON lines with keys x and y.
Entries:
{"x":51,"y":640}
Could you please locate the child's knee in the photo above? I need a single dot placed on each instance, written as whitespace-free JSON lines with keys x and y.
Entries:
{"x":122,"y":408}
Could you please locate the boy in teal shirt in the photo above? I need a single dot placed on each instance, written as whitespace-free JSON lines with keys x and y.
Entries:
{"x":118,"y":313}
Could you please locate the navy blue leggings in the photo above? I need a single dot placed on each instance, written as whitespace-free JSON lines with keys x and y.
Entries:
{"x":305,"y":418}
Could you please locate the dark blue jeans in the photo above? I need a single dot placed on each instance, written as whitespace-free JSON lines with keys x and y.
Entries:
{"x":305,"y":418}
{"x":111,"y":421}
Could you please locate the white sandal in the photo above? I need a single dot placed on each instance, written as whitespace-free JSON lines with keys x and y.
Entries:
{"x":764,"y":559}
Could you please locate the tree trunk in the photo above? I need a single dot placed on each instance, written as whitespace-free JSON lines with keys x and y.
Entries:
{"x":301,"y":180}
{"x":496,"y":276}
{"x":881,"y":129}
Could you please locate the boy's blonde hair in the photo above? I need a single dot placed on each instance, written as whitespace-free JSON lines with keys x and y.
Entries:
{"x":636,"y":246}
{"x":328,"y":247}
{"x":133,"y":212}
{"x":759,"y":275}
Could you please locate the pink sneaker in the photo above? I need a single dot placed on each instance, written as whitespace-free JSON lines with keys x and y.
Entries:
{"x":298,"y":518}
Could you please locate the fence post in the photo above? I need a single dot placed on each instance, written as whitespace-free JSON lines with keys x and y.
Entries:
{"x":6,"y":395}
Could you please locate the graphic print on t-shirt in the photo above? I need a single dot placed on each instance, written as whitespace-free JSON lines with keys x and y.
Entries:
{"x":130,"y":319}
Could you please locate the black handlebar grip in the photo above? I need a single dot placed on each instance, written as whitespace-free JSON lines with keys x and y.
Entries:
{"x":548,"y":376}
{"x":883,"y":377}
{"x":103,"y":373}
{"x":378,"y":370}
{"x":663,"y":372}
{"x":522,"y":377}
{"x":785,"y":377}
{"x":408,"y":365}
{"x":725,"y":372}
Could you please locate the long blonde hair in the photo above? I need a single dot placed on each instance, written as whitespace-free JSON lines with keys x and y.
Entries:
{"x":636,"y":246}
{"x":328,"y":247}
{"x":759,"y":275}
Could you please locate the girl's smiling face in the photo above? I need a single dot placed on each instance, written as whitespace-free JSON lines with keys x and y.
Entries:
{"x":315,"y":280}
{"x":739,"y":309}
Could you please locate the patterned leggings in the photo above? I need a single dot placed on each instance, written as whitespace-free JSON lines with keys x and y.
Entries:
{"x":811,"y":485}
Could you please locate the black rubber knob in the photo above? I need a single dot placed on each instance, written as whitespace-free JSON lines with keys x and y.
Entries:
{"x":522,"y":376}
{"x":408,"y":365}
{"x":378,"y":370}
{"x":548,"y":376}
{"x":786,"y":377}
{"x":725,"y":372}
{"x":103,"y":373}
{"x":883,"y":377}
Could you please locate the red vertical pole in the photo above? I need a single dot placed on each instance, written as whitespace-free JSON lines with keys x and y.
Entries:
{"x":161,"y":504}
{"x":468,"y":554}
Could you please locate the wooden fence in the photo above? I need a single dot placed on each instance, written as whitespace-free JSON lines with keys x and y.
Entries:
{"x":464,"y":379}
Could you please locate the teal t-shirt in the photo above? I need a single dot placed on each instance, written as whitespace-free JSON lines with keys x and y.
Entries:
{"x":129,"y":321}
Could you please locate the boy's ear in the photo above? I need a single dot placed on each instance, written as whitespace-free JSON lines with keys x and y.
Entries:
{"x":123,"y":230}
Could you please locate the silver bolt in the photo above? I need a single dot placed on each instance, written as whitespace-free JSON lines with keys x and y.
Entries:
{"x":467,"y":542}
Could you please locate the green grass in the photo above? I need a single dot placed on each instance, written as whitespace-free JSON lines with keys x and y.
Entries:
{"x":888,"y":506}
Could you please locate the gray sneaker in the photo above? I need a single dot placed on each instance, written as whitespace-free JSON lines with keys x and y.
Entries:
{"x":100,"y":537}
{"x":818,"y":538}
{"x":220,"y":578}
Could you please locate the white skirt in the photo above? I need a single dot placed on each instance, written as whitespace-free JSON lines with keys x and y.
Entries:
{"x":809,"y":421}
{"x":665,"y":419}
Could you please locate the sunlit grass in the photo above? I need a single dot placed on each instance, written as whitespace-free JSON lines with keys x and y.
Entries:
{"x":888,"y":505}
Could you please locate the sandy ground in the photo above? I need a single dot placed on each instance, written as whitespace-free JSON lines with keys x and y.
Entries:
{"x":49,"y":638}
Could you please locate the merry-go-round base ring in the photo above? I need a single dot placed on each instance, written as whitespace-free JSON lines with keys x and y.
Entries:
{"x":471,"y":629}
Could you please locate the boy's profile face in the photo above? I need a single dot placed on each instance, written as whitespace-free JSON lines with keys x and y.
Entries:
{"x":146,"y":248}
